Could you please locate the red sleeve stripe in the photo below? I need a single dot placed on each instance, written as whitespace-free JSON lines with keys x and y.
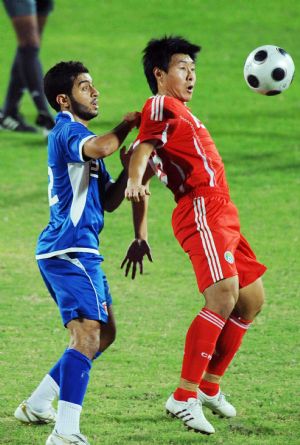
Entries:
{"x":157,"y":108}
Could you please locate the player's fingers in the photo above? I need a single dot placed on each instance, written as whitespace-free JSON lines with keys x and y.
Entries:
{"x":127,"y":268}
{"x":141,"y":267}
{"x":123,"y":262}
{"x":133,"y":271}
{"x":148,"y":253}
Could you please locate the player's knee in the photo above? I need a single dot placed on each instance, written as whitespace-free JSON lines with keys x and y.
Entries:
{"x":250,"y":301}
{"x":221,"y":297}
{"x":85,"y":337}
{"x":226,"y":304}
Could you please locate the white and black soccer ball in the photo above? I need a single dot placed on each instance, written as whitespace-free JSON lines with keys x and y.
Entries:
{"x":269,"y":70}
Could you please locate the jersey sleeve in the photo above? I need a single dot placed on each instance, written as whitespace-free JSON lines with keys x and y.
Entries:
{"x":75,"y":135}
{"x":156,"y":120}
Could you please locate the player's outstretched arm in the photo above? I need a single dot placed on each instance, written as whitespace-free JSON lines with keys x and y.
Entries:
{"x":136,"y":190}
{"x":139,"y":247}
{"x":103,"y":146}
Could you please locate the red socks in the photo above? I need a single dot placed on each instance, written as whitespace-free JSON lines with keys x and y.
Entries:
{"x":227,"y":345}
{"x":182,"y":395}
{"x":199,"y":346}
{"x":209,"y":388}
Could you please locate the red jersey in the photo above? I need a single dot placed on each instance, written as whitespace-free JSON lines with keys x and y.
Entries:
{"x":187,"y":157}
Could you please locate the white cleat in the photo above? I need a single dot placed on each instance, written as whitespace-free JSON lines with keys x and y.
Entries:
{"x":218,"y":404}
{"x":60,"y":439}
{"x":190,"y":413}
{"x":26,"y":414}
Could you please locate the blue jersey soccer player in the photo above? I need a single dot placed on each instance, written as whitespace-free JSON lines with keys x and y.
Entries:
{"x":79,"y":190}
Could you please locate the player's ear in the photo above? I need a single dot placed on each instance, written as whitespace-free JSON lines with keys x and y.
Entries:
{"x":158,"y":73}
{"x":63,"y":101}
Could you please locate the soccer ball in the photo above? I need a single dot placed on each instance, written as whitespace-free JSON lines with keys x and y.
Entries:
{"x":269,"y":70}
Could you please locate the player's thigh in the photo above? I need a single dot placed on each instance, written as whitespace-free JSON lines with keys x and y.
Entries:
{"x":27,"y":30}
{"x":208,"y":230}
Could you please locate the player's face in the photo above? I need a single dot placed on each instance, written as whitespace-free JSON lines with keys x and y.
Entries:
{"x":180,"y":79}
{"x":84,"y":98}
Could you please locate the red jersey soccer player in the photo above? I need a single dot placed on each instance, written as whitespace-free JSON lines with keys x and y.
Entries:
{"x":183,"y":155}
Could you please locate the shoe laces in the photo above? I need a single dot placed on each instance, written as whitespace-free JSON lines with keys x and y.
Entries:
{"x":194,"y":404}
{"x":222,"y":398}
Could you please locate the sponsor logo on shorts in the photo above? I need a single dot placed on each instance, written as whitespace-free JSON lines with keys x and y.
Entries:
{"x":104,"y":305}
{"x":229,"y":257}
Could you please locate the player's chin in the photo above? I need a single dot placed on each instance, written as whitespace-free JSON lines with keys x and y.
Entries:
{"x":93,"y":113}
{"x":187,"y":96}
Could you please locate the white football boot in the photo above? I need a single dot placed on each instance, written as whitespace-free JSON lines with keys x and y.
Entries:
{"x":60,"y":439}
{"x":218,"y":404}
{"x":190,"y":413}
{"x":26,"y":414}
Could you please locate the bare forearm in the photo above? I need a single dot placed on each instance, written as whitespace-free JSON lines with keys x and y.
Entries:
{"x":138,"y":163}
{"x":140,"y":222}
{"x":103,"y":146}
{"x":115,"y":193}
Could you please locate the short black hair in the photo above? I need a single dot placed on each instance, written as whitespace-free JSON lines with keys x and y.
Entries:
{"x":60,"y":80}
{"x":158,"y":53}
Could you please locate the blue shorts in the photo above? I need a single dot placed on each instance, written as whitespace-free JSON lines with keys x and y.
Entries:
{"x":17,"y":8}
{"x":77,"y":285}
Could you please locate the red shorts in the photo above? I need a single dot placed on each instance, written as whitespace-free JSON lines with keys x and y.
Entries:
{"x":208,"y":229}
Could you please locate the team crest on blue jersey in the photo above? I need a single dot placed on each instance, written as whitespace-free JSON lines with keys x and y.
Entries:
{"x":229,"y":257}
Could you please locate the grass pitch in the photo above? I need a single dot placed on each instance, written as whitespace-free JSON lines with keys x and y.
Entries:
{"x":258,"y":138}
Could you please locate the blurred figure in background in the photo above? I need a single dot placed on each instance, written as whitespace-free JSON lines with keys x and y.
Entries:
{"x":28,"y":19}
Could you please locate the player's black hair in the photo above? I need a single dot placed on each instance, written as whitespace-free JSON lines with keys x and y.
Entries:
{"x":60,"y":79}
{"x":158,"y":53}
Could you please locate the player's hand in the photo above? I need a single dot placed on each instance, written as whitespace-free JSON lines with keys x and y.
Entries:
{"x":136,"y":192}
{"x":125,"y":156}
{"x":134,"y":256}
{"x":133,"y":118}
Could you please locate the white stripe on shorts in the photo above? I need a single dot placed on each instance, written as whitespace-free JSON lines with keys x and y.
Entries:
{"x":207,"y":240}
{"x":77,"y":263}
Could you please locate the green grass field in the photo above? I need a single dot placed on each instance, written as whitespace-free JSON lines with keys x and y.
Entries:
{"x":258,"y":138}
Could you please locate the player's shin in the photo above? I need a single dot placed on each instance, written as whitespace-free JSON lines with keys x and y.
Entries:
{"x":75,"y":368}
{"x":227,"y":345}
{"x":200,"y":344}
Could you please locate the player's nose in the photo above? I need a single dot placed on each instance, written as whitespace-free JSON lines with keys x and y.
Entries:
{"x":190,"y":75}
{"x":95,"y":92}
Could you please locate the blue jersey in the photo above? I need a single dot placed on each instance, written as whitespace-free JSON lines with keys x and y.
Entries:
{"x":76,"y":192}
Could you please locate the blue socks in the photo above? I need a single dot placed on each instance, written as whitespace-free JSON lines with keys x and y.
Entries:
{"x":71,"y":373}
{"x":74,"y":376}
{"x":55,"y":372}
